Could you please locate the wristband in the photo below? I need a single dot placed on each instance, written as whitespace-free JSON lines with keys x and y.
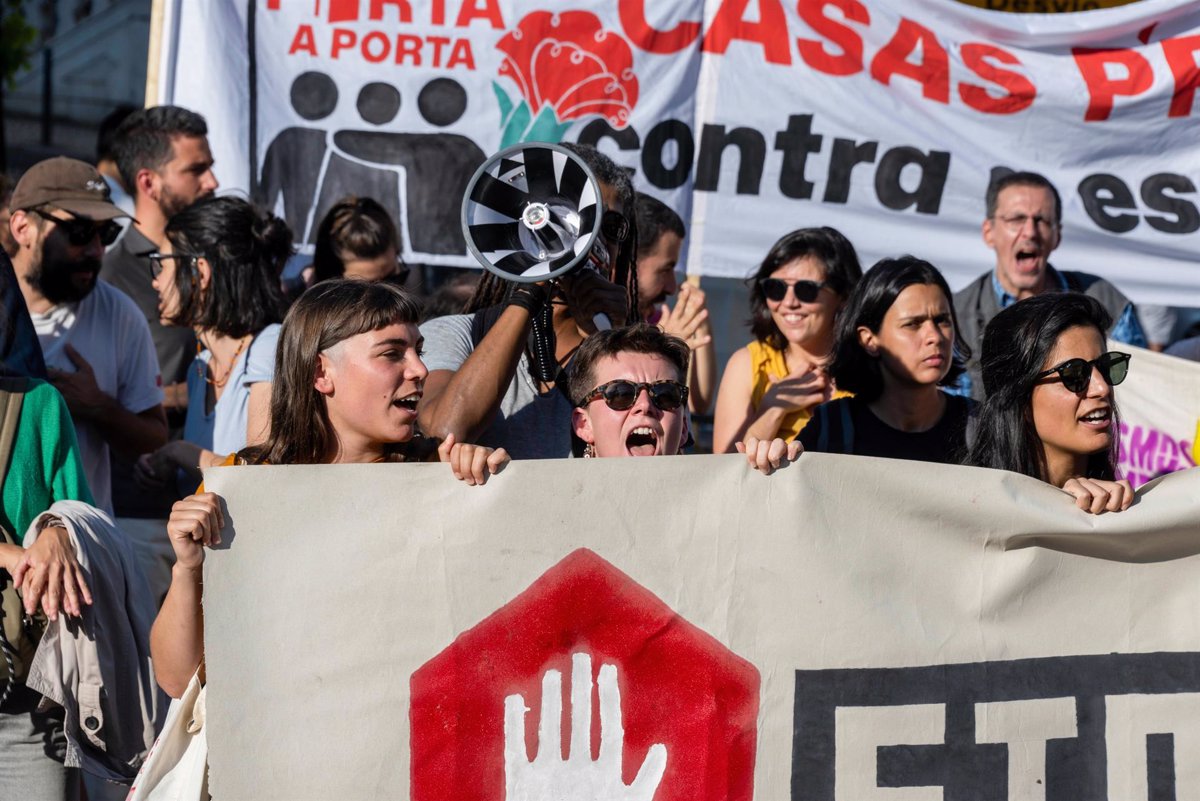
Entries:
{"x":530,"y":297}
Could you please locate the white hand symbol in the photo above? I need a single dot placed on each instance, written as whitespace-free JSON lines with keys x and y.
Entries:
{"x":549,"y":777}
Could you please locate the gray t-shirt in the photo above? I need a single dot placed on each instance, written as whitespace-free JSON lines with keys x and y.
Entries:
{"x":529,"y":425}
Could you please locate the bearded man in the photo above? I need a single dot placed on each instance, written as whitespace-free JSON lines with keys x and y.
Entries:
{"x":95,"y":340}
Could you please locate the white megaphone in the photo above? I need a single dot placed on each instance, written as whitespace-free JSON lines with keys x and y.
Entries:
{"x":532,"y":213}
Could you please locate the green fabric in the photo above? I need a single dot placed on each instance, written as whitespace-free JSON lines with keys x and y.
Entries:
{"x":46,"y":466}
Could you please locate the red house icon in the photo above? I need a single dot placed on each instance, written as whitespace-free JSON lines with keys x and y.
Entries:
{"x":679,"y":689}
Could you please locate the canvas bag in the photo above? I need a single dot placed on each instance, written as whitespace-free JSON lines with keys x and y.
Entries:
{"x":177,"y":767}
{"x":21,"y":636}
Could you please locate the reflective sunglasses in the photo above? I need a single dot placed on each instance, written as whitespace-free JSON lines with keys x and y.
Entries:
{"x":79,"y":231}
{"x":614,"y":226}
{"x":621,"y":394}
{"x":776,"y":289}
{"x":1077,"y":373}
{"x":157,"y":259}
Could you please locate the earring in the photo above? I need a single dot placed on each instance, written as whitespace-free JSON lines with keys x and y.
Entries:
{"x":589,"y":451}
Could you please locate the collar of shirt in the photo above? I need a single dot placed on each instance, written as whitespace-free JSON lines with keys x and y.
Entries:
{"x":1005,"y":300}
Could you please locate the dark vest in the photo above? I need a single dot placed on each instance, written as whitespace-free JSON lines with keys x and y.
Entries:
{"x":975,"y":305}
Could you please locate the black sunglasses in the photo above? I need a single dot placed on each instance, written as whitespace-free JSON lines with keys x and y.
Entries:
{"x":614,"y":226}
{"x":1077,"y":373}
{"x":776,"y":289}
{"x":157,"y":259}
{"x":621,"y":394}
{"x":79,"y":231}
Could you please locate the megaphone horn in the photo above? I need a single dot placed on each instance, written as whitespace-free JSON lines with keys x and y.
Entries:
{"x":532,"y":212}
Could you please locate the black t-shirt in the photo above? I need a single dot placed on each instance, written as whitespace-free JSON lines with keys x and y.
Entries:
{"x":847,"y":425}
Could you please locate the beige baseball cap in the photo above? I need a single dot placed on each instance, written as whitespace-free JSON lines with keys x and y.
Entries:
{"x":68,"y":184}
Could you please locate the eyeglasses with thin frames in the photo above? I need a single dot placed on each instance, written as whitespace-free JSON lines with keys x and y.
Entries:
{"x":157,"y":259}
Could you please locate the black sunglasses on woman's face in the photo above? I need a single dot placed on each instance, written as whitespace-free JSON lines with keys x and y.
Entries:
{"x":1076,"y":374}
{"x":775,"y":289}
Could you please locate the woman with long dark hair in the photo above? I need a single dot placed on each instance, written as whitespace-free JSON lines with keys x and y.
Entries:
{"x":218,"y":272}
{"x":348,"y":376}
{"x":1050,"y":411}
{"x":771,"y":386}
{"x":897,"y":344}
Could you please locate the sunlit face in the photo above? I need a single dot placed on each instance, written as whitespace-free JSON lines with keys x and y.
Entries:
{"x":164,"y":284}
{"x":1073,"y":425}
{"x":187,"y":177}
{"x":379,"y":268}
{"x":656,"y":272}
{"x":1023,"y":233}
{"x":372,"y":383}
{"x":641,"y":430}
{"x":916,"y":338}
{"x":62,"y":272}
{"x":809,"y":325}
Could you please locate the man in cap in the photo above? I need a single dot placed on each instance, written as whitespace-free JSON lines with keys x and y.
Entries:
{"x":95,"y":341}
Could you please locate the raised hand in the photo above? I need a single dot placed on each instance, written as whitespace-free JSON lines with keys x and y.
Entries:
{"x":549,"y":777}
{"x":801,"y":389}
{"x":689,"y":319}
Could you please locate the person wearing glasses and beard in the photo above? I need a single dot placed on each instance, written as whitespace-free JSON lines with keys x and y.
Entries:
{"x":630,"y":399}
{"x":95,"y":340}
{"x":497,"y":374}
{"x":1050,"y":411}
{"x":771,"y":386}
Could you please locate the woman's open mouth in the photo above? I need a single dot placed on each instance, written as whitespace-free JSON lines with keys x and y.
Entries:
{"x":641,"y":441}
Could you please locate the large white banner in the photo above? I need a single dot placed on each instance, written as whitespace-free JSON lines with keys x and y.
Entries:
{"x":684,"y":628}
{"x":883,"y":118}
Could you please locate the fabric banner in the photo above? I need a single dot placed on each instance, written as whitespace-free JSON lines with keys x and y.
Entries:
{"x":885,"y":119}
{"x":1159,"y":404}
{"x":686,"y":628}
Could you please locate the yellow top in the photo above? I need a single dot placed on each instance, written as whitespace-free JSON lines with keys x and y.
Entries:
{"x":767,"y":363}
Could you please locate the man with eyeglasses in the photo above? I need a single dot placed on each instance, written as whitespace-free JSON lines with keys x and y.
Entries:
{"x":1023,"y":227}
{"x":95,"y":341}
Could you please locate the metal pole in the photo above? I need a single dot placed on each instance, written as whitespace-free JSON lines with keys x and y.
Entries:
{"x":47,"y":95}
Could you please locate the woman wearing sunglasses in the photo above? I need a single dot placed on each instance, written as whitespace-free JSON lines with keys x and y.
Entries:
{"x":1050,"y":411}
{"x":631,"y":400}
{"x":771,"y":386}
{"x":218,"y":273}
{"x":896,"y":346}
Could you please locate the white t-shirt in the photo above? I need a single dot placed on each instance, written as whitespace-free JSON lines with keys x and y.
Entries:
{"x":110,"y":332}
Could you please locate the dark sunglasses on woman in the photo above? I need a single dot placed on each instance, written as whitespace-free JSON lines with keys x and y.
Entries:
{"x":1076,"y":374}
{"x":620,"y":395}
{"x":79,"y":231}
{"x":775,"y":289}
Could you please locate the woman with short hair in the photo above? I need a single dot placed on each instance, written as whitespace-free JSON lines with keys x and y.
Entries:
{"x":771,"y":386}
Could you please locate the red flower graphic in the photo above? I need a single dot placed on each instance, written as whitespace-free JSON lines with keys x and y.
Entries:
{"x":570,"y":63}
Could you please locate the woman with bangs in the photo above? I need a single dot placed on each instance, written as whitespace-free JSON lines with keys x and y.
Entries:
{"x":348,"y":377}
{"x":771,"y":386}
{"x":1050,"y":412}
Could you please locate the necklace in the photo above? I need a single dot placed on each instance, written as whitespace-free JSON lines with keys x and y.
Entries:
{"x":215,"y":382}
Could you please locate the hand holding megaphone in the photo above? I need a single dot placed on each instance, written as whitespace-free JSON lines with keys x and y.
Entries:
{"x":533,"y":213}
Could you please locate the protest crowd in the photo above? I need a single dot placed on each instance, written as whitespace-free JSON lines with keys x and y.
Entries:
{"x":144,"y":342}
